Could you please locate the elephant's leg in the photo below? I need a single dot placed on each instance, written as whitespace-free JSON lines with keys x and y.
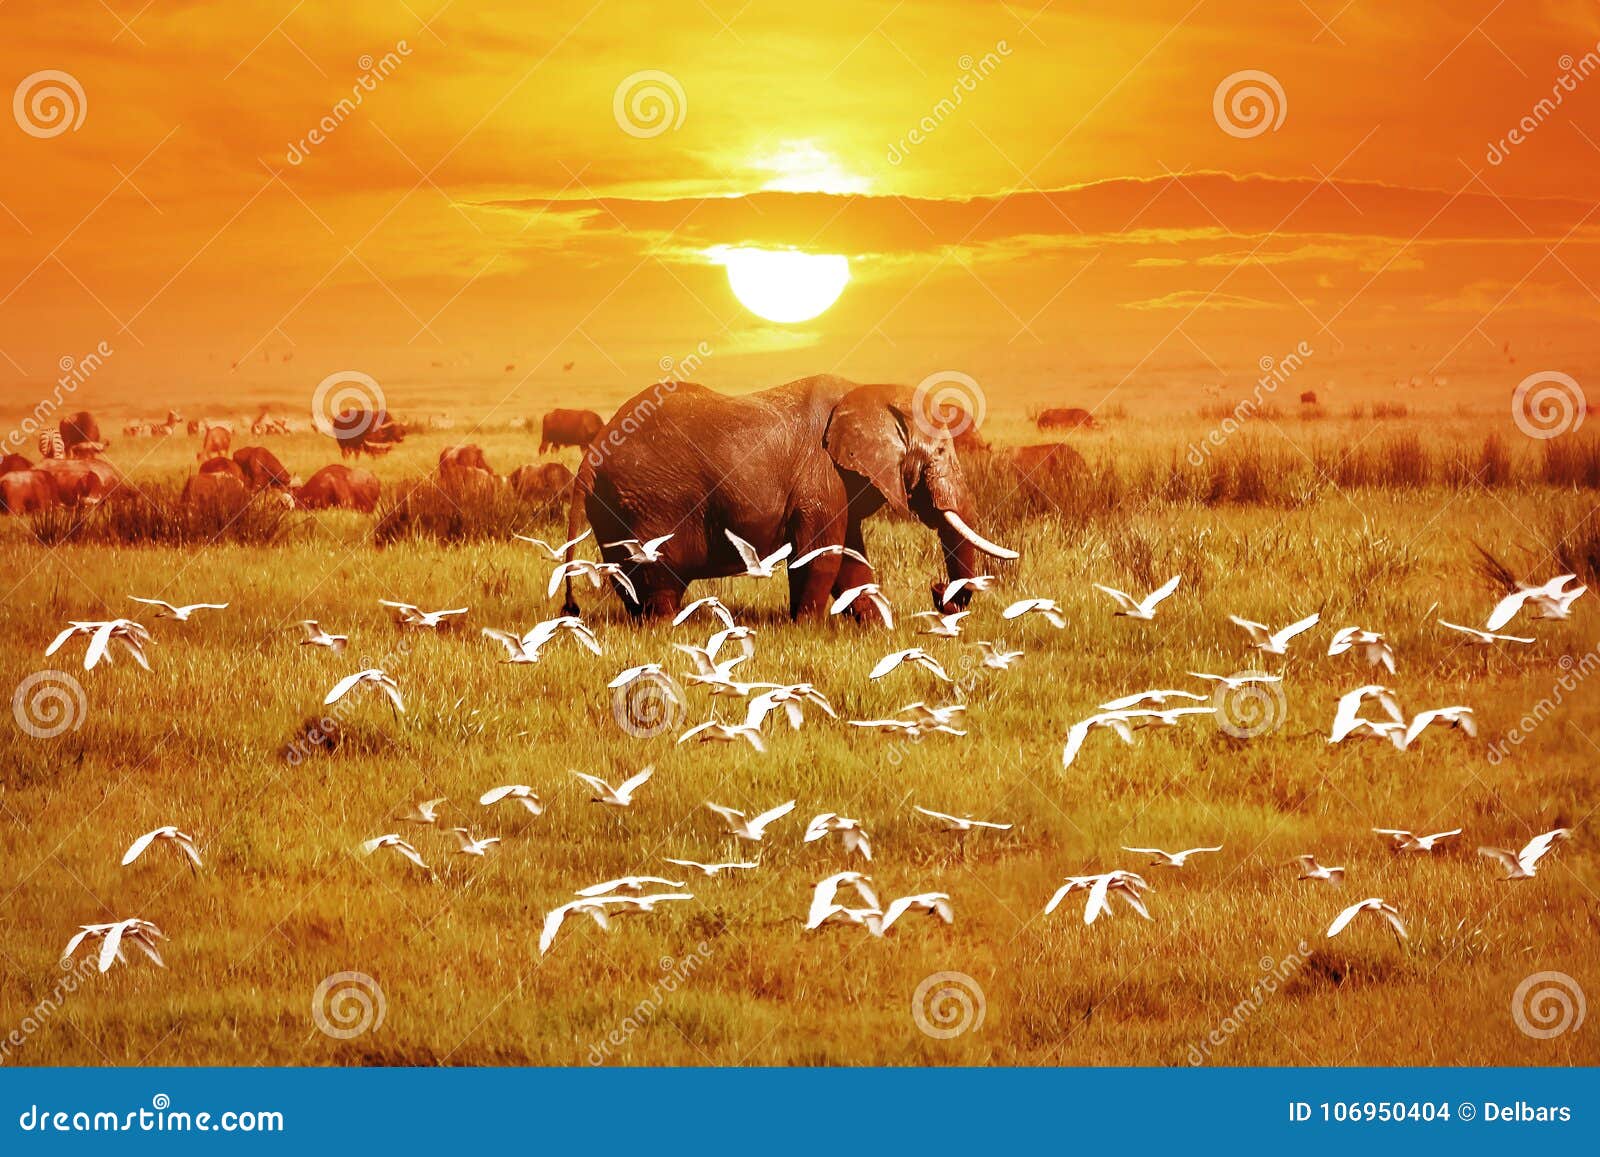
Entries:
{"x":811,"y":586}
{"x":853,"y":574}
{"x":660,"y":592}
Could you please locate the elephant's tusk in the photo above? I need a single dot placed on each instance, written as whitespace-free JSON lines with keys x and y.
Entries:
{"x":958,"y":524}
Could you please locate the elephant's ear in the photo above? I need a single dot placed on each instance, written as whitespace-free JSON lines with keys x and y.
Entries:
{"x":867,"y":435}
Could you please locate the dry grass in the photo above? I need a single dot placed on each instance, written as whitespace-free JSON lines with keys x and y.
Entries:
{"x":1259,"y":530}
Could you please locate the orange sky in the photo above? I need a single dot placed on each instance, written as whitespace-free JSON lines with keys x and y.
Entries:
{"x":1081,"y":209}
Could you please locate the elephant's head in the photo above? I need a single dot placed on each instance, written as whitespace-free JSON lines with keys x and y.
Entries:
{"x":874,"y":434}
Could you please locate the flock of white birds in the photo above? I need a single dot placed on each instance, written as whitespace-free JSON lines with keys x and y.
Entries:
{"x":715,"y":671}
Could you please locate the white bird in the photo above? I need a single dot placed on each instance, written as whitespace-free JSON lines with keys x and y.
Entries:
{"x":167,"y":834}
{"x":130,"y":634}
{"x":1170,"y":859}
{"x":872,"y":594}
{"x":961,"y":824}
{"x":1461,"y":717}
{"x":823,"y":896}
{"x":630,"y":884}
{"x":426,"y":812}
{"x":995,"y":656}
{"x":526,"y":648}
{"x":141,"y":933}
{"x":1046,"y":607}
{"x":721,"y":681}
{"x":869,"y":918}
{"x":1348,"y":719}
{"x":1401,"y":840}
{"x":712,"y":869}
{"x":978,"y":582}
{"x":842,"y":551}
{"x":1243,"y":679}
{"x":1553,"y":601}
{"x":596,"y":573}
{"x":744,"y":636}
{"x":553,"y":919}
{"x":372,"y":677}
{"x":472,"y":847}
{"x":178,"y":613}
{"x":1523,"y":865}
{"x":409,"y":615}
{"x":911,"y":655}
{"x":647,"y":551}
{"x":1155,"y":697}
{"x":556,"y":553}
{"x":1128,"y":885}
{"x":652,"y":671}
{"x":942,"y":717}
{"x":948,"y":625}
{"x":851,"y":834}
{"x":716,"y":731}
{"x":1116,"y":721}
{"x":709,"y":603}
{"x":1272,"y":642}
{"x":1374,"y":905}
{"x":1484,"y":638}
{"x":754,"y":565}
{"x":1141,"y":608}
{"x":754,"y":827}
{"x":622,"y":794}
{"x":317,"y":637}
{"x":520,"y":792}
{"x":398,"y":844}
{"x":933,"y":903}
{"x":1374,"y":647}
{"x":789,"y":698}
{"x":1311,"y":870}
{"x":909,"y":728}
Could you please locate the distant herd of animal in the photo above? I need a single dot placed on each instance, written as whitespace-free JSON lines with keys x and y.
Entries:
{"x":72,"y":470}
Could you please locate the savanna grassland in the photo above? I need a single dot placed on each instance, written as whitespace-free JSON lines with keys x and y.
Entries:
{"x":1372,"y":522}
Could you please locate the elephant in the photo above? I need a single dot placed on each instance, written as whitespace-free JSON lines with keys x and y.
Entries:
{"x":802,"y":464}
{"x":262,"y":469}
{"x":569,"y":428}
{"x":336,"y":485}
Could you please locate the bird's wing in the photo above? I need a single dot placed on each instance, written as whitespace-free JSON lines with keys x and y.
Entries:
{"x":1508,"y":859}
{"x":1294,"y":629}
{"x":888,"y":663}
{"x":1342,"y":639}
{"x":1258,"y":631}
{"x":629,"y":675}
{"x":1061,"y":894}
{"x":388,"y":688}
{"x":1145,"y":851}
{"x":778,"y":555}
{"x":1018,"y":608}
{"x":627,"y":586}
{"x":512,"y":643}
{"x":809,"y":555}
{"x":342,"y":687}
{"x":1097,"y":899}
{"x":1075,"y":737}
{"x":1344,"y":918}
{"x":747,"y":553}
{"x":766,"y":817}
{"x":1419,"y":723}
{"x":635,"y":782}
{"x":732,"y":815}
{"x":933,"y":665}
{"x":1123,"y":599}
{"x":98,"y":642}
{"x":55,"y":644}
{"x":882,"y":603}
{"x":897,"y":909}
{"x":595,"y":782}
{"x":1160,"y":594}
{"x":552,"y":925}
{"x":136,"y":849}
{"x":1506,"y":610}
{"x":845,"y":599}
{"x":111,"y":946}
{"x":1393,"y":917}
{"x":1539,"y":845}
{"x":154,"y":602}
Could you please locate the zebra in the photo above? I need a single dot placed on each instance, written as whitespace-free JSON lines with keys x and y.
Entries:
{"x":50,"y":443}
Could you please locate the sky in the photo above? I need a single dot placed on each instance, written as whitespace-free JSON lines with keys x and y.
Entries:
{"x":255,"y":195}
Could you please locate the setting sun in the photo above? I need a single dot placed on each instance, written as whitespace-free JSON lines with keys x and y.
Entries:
{"x":783,"y":285}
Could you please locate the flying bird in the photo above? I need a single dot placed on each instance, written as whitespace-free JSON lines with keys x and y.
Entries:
{"x":1454,"y":717}
{"x":712,"y":869}
{"x":556,"y":553}
{"x":912,"y":655}
{"x":1374,"y":647}
{"x":824,"y":895}
{"x":1311,"y":870}
{"x":1170,"y":859}
{"x":1552,"y":600}
{"x":426,"y":812}
{"x":373,"y":678}
{"x":629,"y":884}
{"x":754,"y":565}
{"x":178,"y":613}
{"x":1401,"y":840}
{"x":978,"y":582}
{"x":872,"y":594}
{"x":1484,"y":638}
{"x":472,"y":847}
{"x":1243,"y":679}
{"x":398,"y":844}
{"x":1375,"y":905}
{"x":622,"y":794}
{"x":1348,"y":720}
{"x":520,"y":792}
{"x":962,"y":824}
{"x":750,"y":828}
{"x":716,"y":731}
{"x":408,"y":615}
{"x":1144,"y":608}
{"x":596,"y":573}
{"x":1046,"y":608}
{"x":181,"y":841}
{"x":841,"y":551}
{"x":553,"y":919}
{"x":317,"y":637}
{"x":948,"y":625}
{"x":851,"y":834}
{"x":1151,"y":697}
{"x":709,"y":603}
{"x":1523,"y":865}
{"x":1116,"y":721}
{"x":1271,"y":642}
{"x":995,"y":656}
{"x":936,"y":904}
{"x":140,"y":933}
{"x":130,"y":634}
{"x":647,"y":551}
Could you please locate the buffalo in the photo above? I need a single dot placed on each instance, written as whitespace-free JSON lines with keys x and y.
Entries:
{"x":215,"y":442}
{"x":81,"y":481}
{"x":569,"y":428}
{"x":370,"y":432}
{"x":26,"y":491}
{"x":541,"y":482}
{"x":1308,"y":398}
{"x":80,"y":427}
{"x":262,"y":470}
{"x":338,"y":486}
{"x":1066,"y":419}
{"x":222,"y":466}
{"x":224,"y":489}
{"x":1038,"y":466}
{"x":13,"y":462}
{"x":467,"y":457}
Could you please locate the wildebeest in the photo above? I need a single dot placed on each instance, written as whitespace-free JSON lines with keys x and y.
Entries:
{"x":26,"y":491}
{"x":1065,"y":418}
{"x":338,"y":486}
{"x":215,"y":442}
{"x":467,"y":457}
{"x":221,"y":467}
{"x":79,"y":427}
{"x":1308,"y":398}
{"x":370,"y":432}
{"x":541,"y":482}
{"x":569,"y":428}
{"x":262,"y":470}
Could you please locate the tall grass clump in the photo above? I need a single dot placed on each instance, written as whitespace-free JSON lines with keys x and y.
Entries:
{"x":158,"y":516}
{"x":486,"y":511}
